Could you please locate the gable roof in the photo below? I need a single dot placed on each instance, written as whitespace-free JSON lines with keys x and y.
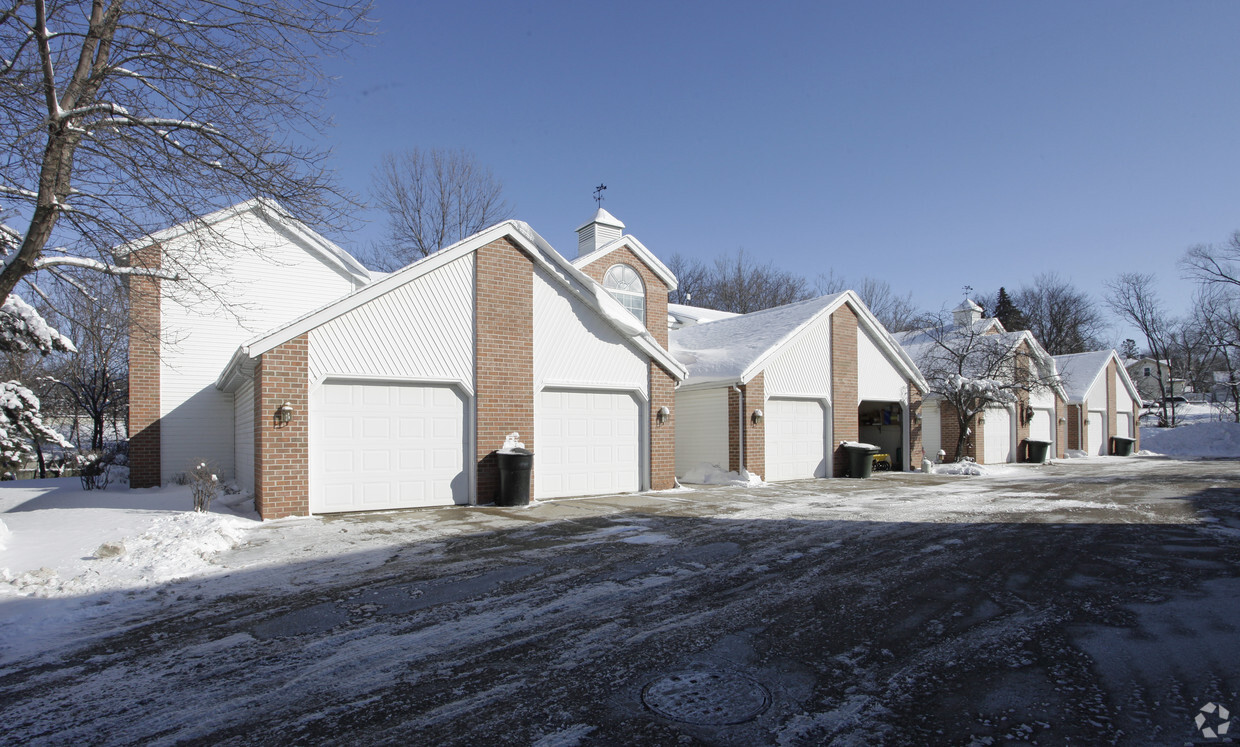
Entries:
{"x":686,"y":316}
{"x":645,"y":255}
{"x":536,"y":247}
{"x":1080,"y":371}
{"x":275,"y":215}
{"x":733,"y":350}
{"x":924,"y":335}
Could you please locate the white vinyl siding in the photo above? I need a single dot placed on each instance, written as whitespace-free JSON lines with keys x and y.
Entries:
{"x":586,"y":443}
{"x":701,"y":429}
{"x":423,"y":329}
{"x":803,"y":367}
{"x":574,"y":346}
{"x":243,"y":438}
{"x":266,"y":279}
{"x":796,"y":439}
{"x":386,"y":446}
{"x":877,"y":377}
{"x":998,"y":436}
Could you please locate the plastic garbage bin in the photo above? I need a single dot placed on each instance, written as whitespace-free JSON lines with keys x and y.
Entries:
{"x":860,"y":459}
{"x":1122,"y":446}
{"x":1036,"y":450}
{"x":514,"y":477}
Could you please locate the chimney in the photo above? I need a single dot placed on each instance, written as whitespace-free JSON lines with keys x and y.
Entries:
{"x":967,"y":314}
{"x":602,"y":229}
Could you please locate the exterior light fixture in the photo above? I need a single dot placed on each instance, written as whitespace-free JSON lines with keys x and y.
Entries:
{"x":284,"y":414}
{"x":663,"y":414}
{"x":756,"y":417}
{"x":1062,"y":421}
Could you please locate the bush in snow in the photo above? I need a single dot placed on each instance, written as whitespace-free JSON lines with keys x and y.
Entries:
{"x":95,"y":469}
{"x":204,"y":485}
{"x":20,"y":425}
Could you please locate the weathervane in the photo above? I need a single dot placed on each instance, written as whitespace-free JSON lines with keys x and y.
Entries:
{"x":967,"y":290}
{"x":598,"y":194}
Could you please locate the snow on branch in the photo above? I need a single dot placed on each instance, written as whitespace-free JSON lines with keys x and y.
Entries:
{"x":20,"y":424}
{"x":22,"y":328}
{"x":44,"y":263}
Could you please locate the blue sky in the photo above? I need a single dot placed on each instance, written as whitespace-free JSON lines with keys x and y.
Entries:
{"x":931,"y":144}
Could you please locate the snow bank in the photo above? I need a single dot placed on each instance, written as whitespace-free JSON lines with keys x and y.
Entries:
{"x":709,"y":474}
{"x":960,"y":468}
{"x":4,"y":535}
{"x":1201,"y":439}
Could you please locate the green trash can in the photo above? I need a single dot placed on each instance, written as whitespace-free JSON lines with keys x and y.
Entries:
{"x":860,"y":459}
{"x":1036,"y":451}
{"x":1121,"y":446}
{"x":515,"y":466}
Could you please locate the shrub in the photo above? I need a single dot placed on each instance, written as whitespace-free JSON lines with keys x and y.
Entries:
{"x":204,"y":485}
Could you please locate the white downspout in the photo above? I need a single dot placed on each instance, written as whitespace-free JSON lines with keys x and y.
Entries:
{"x":740,"y":417}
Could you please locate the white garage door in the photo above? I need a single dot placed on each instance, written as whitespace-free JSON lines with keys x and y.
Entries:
{"x":586,"y":443}
{"x":384,"y":446}
{"x":998,"y":436}
{"x":1123,"y":424}
{"x":1040,"y":428}
{"x":796,"y":439}
{"x":1097,"y":432}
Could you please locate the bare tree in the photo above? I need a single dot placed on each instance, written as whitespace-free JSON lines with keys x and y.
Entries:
{"x":692,"y":277}
{"x":736,"y":283}
{"x":1062,"y":318}
{"x":897,"y":313}
{"x":433,"y":199}
{"x":120,"y":117}
{"x":1214,"y":264}
{"x":972,"y":371}
{"x":1217,"y":315}
{"x":1132,"y":298}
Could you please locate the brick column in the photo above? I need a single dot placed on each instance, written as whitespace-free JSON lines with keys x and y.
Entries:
{"x":1075,"y":437}
{"x":845,"y":398}
{"x":1061,"y":428}
{"x":916,"y":451}
{"x":755,"y":435}
{"x":662,"y":436}
{"x":1136,"y":425}
{"x":144,"y":394}
{"x":282,"y":451}
{"x":1022,"y":428}
{"x":1112,"y":419}
{"x":503,"y":355}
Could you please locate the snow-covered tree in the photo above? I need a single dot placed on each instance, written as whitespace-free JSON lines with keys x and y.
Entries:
{"x":21,"y":425}
{"x":971,"y":370}
{"x":121,"y":117}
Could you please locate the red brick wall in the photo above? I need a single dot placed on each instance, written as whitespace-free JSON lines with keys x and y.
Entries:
{"x":656,"y":289}
{"x":504,"y":355}
{"x":1075,"y":437}
{"x":1112,"y":418}
{"x":662,"y":437}
{"x":915,"y":448}
{"x":282,"y":451}
{"x":144,"y":402}
{"x":844,"y":393}
{"x":755,"y":435}
{"x":1061,"y":428}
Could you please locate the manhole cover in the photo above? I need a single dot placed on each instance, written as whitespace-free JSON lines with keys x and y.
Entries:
{"x":707,"y":698}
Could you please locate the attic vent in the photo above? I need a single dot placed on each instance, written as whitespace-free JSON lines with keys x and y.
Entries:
{"x":600,"y":230}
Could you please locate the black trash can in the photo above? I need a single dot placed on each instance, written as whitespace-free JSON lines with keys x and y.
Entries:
{"x":860,"y":459}
{"x":514,"y":477}
{"x":1036,"y":451}
{"x":1122,"y":446}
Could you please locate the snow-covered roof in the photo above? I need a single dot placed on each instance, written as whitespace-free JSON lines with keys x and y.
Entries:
{"x":929,"y":334}
{"x":520,"y":233}
{"x":680,"y":315}
{"x":603,"y":217}
{"x":1080,"y":371}
{"x":274,"y":213}
{"x":737,"y":348}
{"x":968,"y":305}
{"x":645,"y":255}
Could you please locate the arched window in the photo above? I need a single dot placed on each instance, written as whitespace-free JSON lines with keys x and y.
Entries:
{"x":625,"y":285}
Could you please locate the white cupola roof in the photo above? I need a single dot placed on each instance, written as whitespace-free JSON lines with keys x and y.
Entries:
{"x":603,"y":228}
{"x":967,"y":314}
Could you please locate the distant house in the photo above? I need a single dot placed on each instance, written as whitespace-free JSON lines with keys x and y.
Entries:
{"x":1103,"y":401}
{"x":1145,"y":373}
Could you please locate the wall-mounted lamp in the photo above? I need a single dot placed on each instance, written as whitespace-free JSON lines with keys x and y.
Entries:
{"x":284,"y":414}
{"x":917,"y":417}
{"x":1086,"y":421}
{"x":663,"y":414}
{"x":1063,"y":420}
{"x":756,"y":417}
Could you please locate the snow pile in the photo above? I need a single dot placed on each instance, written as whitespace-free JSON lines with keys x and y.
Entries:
{"x":858,"y":445}
{"x":710,"y":474}
{"x":4,"y":535}
{"x":1077,"y":453}
{"x":1203,"y":439}
{"x":960,"y":468}
{"x":512,"y":442}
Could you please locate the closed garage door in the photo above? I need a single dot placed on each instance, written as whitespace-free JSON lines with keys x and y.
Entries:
{"x":998,"y":436}
{"x":796,"y":439}
{"x":586,"y":443}
{"x":384,"y":446}
{"x":1097,"y":431}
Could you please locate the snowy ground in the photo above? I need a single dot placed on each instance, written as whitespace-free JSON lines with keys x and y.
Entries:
{"x":1091,"y":601}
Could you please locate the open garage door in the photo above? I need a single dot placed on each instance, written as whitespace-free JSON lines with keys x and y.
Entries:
{"x":796,"y":439}
{"x":586,"y":443}
{"x":385,"y":446}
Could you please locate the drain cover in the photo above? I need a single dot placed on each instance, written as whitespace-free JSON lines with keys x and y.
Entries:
{"x":708,"y":698}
